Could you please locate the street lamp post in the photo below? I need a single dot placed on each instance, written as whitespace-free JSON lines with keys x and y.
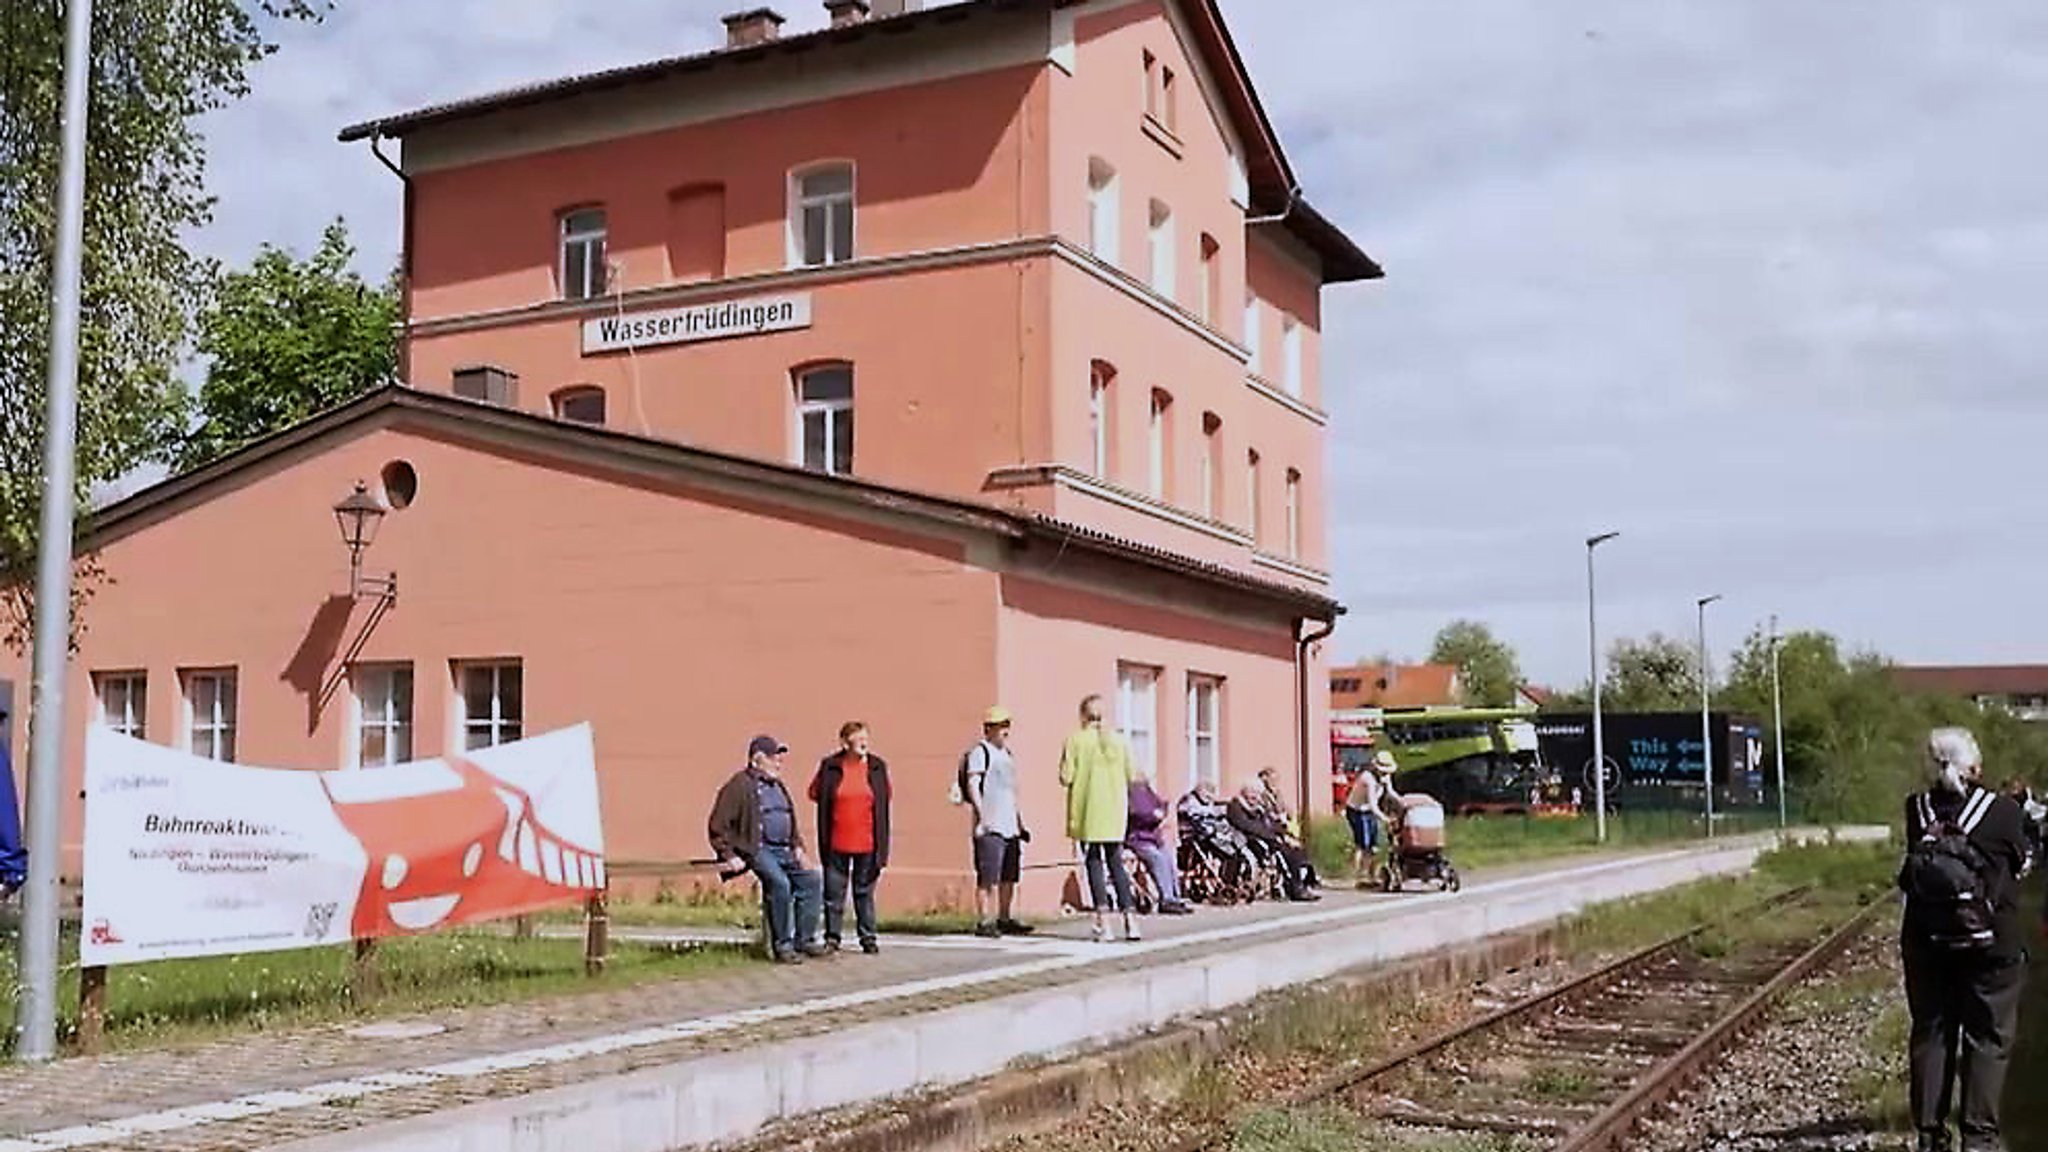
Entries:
{"x":1593,"y":659}
{"x":1706,"y":718}
{"x":1778,"y":722}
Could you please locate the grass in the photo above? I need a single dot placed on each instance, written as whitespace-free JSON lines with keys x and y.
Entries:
{"x":181,"y":1001}
{"x":704,"y":908}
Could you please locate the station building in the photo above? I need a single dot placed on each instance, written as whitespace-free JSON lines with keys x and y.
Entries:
{"x":931,"y":359}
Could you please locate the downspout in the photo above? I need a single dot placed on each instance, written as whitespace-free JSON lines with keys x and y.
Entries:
{"x":404,"y":262}
{"x":1301,"y":647}
{"x":1286,"y":210}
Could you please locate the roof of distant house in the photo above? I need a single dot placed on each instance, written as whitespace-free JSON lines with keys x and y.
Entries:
{"x":1974,"y":679}
{"x":1393,"y":685}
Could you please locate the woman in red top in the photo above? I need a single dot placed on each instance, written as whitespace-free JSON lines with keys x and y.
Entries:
{"x":852,"y":791}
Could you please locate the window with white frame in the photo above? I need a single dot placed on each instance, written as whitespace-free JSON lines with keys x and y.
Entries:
{"x":1252,"y":325}
{"x":1205,"y":730}
{"x":1102,"y":209}
{"x":1293,"y":514}
{"x":123,"y":702}
{"x":1158,"y":444}
{"x":1212,"y":472}
{"x":1212,"y":277}
{"x":383,"y":715}
{"x":1100,"y":377}
{"x":1137,"y":715}
{"x":824,"y":418}
{"x":1251,"y":495}
{"x":1290,"y":355}
{"x":821,"y":216}
{"x":583,"y":254}
{"x":210,"y":714}
{"x":1161,"y":219}
{"x":493,"y":701}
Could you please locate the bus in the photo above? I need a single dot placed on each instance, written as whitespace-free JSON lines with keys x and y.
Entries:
{"x":1474,"y":760}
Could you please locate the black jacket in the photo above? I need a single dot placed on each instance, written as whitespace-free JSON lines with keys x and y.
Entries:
{"x":825,"y":790}
{"x":735,"y":825}
{"x":2001,"y":837}
{"x":1255,"y":822}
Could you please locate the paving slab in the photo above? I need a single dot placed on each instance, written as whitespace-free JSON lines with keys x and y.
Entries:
{"x":657,"y":1067}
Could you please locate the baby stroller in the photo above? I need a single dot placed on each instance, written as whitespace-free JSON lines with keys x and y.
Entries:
{"x":1418,"y":847}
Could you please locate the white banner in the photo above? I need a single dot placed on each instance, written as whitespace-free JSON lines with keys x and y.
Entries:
{"x":191,"y":857}
{"x":747,"y":317}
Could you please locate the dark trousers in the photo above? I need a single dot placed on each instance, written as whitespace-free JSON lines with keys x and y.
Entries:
{"x":1109,"y":857}
{"x":858,"y":872}
{"x":789,"y":898}
{"x":1965,"y":1011}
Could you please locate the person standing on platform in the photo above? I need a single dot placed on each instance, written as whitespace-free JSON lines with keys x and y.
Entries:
{"x":1095,"y":769}
{"x":852,"y":792}
{"x":988,"y":786}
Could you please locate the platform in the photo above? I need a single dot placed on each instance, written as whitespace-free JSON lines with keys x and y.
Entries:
{"x":653,"y":1068}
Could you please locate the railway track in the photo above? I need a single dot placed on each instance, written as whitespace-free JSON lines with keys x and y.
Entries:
{"x":1577,"y":1067}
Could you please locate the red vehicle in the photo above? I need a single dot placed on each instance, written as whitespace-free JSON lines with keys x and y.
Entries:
{"x":1352,"y":745}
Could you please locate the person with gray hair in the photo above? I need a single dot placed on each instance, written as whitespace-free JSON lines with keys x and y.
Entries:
{"x":1961,"y":944}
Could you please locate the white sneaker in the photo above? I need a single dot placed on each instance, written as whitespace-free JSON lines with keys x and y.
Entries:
{"x":1131,"y":928}
{"x":1100,"y":932}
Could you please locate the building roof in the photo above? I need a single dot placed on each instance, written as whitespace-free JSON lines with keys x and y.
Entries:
{"x":1974,"y":680}
{"x":1393,"y":685}
{"x":1274,"y":186}
{"x":452,"y":414}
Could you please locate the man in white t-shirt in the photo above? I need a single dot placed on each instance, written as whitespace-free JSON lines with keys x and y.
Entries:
{"x":990,"y":789}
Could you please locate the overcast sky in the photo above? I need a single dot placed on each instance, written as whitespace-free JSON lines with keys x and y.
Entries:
{"x":1759,"y":284}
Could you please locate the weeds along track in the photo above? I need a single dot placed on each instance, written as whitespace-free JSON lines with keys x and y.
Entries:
{"x":1576,"y":1067}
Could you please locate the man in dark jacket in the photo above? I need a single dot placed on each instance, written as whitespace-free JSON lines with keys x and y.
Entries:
{"x":1253,"y":818}
{"x":1962,"y":987}
{"x":852,"y":793}
{"x":753,"y":823}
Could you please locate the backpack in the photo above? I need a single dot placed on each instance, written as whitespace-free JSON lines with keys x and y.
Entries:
{"x":958,"y":794}
{"x":1946,"y":879}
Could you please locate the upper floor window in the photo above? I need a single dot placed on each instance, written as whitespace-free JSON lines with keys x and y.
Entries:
{"x":1212,"y":470}
{"x":383,"y":715}
{"x":493,"y":702}
{"x":210,"y":714}
{"x":1290,"y":355}
{"x":1212,"y":277}
{"x":1102,"y":209}
{"x":583,"y":258}
{"x":1151,"y":84}
{"x":1158,"y":444}
{"x":123,"y":702}
{"x":1253,"y":322}
{"x":1101,"y":377}
{"x":824,"y":417}
{"x":1251,"y":495}
{"x":582,"y":404}
{"x":1168,"y":112}
{"x":821,"y":216}
{"x":1293,"y":514}
{"x":1162,"y":248}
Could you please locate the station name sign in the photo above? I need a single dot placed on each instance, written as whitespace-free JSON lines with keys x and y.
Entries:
{"x":750,"y":316}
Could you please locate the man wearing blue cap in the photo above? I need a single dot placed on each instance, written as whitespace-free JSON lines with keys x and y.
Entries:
{"x":753,"y":825}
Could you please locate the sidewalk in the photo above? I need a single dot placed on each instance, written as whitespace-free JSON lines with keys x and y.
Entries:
{"x":270,"y":1089}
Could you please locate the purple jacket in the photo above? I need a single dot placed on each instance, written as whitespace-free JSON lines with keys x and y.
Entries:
{"x":1148,"y":813}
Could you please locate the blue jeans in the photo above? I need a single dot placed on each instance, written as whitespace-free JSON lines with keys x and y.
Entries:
{"x":1159,"y":862}
{"x":858,"y":872}
{"x":790,"y":897}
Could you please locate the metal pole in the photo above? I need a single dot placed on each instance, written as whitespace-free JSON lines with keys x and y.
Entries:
{"x":36,"y":1005}
{"x":1593,"y":659}
{"x":1778,"y":723}
{"x":1706,"y":720}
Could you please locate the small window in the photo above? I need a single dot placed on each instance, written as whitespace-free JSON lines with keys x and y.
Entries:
{"x":1205,"y":729}
{"x":1159,"y":445}
{"x":123,"y":702}
{"x":210,"y":714}
{"x":583,"y":404}
{"x":1162,"y":249}
{"x":1167,"y":112}
{"x":383,"y":716}
{"x":1293,"y":514}
{"x":1212,"y":277}
{"x":1212,"y":465}
{"x":1101,"y":410}
{"x":824,"y":415}
{"x":1290,"y":355}
{"x":821,"y":216}
{"x":583,"y":254}
{"x":1137,"y":717}
{"x":1151,"y":85}
{"x":493,"y":703}
{"x":1251,"y":495}
{"x":1252,"y":324}
{"x":1102,"y":210}
{"x":401,"y":484}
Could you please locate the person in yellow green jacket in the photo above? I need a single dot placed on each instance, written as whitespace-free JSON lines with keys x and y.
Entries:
{"x":1095,"y":769}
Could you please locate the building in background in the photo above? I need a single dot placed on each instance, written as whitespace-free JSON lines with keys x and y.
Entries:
{"x":2018,"y":689}
{"x":890,"y":370}
{"x":1395,"y":686}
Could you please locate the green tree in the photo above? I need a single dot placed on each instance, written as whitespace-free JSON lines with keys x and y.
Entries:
{"x":286,"y":338}
{"x":1655,"y":674}
{"x":157,"y":67}
{"x":1488,"y":672}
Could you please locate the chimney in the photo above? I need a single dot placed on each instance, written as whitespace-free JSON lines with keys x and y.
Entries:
{"x":846,"y":13}
{"x":754,"y":26}
{"x":887,"y":8}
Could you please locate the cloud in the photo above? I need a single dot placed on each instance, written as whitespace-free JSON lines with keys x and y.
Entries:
{"x":1755,"y":283}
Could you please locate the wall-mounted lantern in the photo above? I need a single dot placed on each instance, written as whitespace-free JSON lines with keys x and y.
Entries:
{"x":359,"y":516}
